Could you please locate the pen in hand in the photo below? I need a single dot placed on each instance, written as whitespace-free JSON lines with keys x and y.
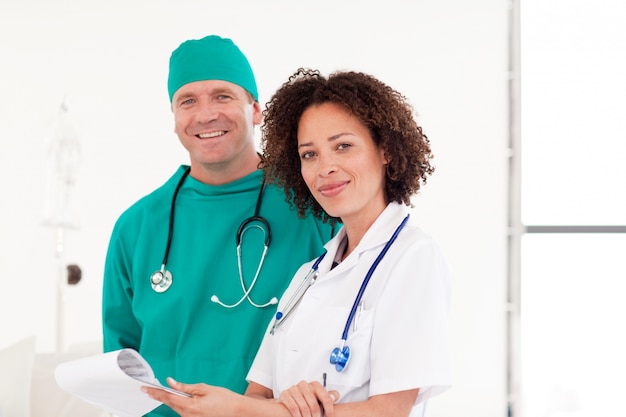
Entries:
{"x":324,"y":385}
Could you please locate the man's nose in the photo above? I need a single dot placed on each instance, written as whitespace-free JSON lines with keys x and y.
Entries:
{"x":207,"y":112}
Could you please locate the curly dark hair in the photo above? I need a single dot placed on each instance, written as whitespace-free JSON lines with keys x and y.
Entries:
{"x":384,"y":111}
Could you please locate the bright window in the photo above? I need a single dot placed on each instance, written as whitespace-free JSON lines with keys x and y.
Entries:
{"x":573,"y":113}
{"x":572,"y":356}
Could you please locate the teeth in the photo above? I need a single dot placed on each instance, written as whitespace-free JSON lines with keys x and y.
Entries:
{"x":211,"y":135}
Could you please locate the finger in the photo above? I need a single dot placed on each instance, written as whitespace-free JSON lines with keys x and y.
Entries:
{"x":334,"y":395}
{"x":311,"y":392}
{"x":179,"y":386}
{"x":310,"y":405}
{"x":327,"y":406}
{"x":290,"y":402}
{"x":326,"y":400}
{"x":158,"y":394}
{"x":177,"y":402}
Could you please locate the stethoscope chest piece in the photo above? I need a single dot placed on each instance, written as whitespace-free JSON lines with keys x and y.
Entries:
{"x":340,"y":357}
{"x":161,"y":280}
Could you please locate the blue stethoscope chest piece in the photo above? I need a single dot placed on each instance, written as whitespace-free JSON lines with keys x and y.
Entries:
{"x":340,"y":357}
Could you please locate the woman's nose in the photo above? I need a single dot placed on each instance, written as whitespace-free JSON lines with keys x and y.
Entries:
{"x":327,"y":165}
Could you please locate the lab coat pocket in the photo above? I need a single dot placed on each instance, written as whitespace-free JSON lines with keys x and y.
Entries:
{"x":356,"y":371}
{"x":315,"y":329}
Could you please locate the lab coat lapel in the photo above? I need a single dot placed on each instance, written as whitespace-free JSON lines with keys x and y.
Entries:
{"x":375,"y":238}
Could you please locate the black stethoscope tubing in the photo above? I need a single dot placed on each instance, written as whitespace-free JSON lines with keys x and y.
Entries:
{"x":242,"y":226}
{"x":170,"y":232}
{"x":256,"y":218}
{"x":162,"y":279}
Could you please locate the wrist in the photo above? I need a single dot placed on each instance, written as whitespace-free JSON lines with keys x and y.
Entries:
{"x":253,"y":406}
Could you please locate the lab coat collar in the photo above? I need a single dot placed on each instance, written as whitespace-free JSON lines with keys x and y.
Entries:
{"x":377,"y":235}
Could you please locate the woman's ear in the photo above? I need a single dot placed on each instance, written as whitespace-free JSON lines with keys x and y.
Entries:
{"x":386,"y":159}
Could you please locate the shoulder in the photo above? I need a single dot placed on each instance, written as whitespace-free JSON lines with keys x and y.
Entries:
{"x":157,"y":201}
{"x":415,"y":236}
{"x":416,"y":245}
{"x":421,"y":255}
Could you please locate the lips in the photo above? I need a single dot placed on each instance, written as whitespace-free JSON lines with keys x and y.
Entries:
{"x":331,"y":190}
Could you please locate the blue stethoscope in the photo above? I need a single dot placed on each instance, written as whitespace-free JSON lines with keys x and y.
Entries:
{"x":161,"y":279}
{"x":339,"y":355}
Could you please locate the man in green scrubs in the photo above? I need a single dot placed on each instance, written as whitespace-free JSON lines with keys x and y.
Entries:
{"x":202,"y":316}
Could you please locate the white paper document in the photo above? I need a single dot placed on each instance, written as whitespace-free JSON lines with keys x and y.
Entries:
{"x":113,"y":381}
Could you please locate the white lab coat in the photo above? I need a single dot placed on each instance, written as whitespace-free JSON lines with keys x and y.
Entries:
{"x":398,"y":339}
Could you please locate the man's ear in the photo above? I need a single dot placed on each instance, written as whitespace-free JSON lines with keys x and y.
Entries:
{"x":257,"y":114}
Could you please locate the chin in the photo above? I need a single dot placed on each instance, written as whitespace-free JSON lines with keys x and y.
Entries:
{"x":332,"y":213}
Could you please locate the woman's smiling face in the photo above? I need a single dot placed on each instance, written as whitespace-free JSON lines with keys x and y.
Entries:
{"x":341,"y":164}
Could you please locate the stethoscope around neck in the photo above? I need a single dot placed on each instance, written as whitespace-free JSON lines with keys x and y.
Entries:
{"x":247,"y":224}
{"x":161,"y":280}
{"x":341,"y":354}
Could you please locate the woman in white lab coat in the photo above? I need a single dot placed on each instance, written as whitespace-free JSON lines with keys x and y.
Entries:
{"x":362,"y":330}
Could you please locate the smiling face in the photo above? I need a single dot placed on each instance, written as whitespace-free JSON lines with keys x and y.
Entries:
{"x":215,"y":121}
{"x":341,"y":165}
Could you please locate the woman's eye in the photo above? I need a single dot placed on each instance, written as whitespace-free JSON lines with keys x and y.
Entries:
{"x":342,"y":146}
{"x":307,"y":155}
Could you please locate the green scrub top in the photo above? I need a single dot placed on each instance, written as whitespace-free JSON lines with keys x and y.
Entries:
{"x":181,"y":332}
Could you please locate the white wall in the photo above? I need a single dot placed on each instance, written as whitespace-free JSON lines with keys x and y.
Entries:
{"x":109,"y":60}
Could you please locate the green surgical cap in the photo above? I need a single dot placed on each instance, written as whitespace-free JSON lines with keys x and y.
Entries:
{"x":210,"y":58}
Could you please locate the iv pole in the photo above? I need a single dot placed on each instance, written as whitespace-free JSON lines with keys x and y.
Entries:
{"x":60,"y":211}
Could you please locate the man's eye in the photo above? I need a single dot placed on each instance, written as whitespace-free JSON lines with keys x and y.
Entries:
{"x":187,"y":102}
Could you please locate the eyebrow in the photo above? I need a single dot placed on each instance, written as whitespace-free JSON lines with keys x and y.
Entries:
{"x":221,"y":90}
{"x":218,"y":90}
{"x":183,"y":96}
{"x":330,"y":139}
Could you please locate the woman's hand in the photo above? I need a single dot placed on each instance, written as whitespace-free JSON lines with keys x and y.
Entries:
{"x":309,"y":399}
{"x":205,"y":400}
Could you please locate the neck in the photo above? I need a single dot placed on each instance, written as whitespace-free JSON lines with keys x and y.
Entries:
{"x":356,"y":226}
{"x":354,"y":234}
{"x":224,"y":172}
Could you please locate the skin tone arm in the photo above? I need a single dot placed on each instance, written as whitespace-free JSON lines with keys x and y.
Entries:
{"x":302,"y":400}
{"x":208,"y":400}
